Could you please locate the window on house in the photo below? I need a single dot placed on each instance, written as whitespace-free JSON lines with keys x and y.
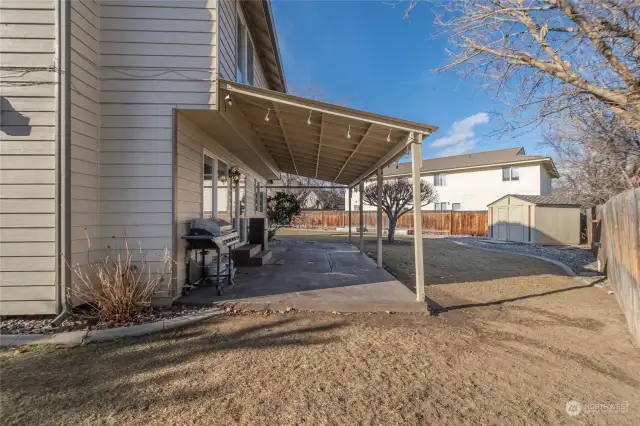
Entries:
{"x":456,"y":206}
{"x":510,"y":173}
{"x":244,"y":55}
{"x":440,"y":206}
{"x":259,"y":197}
{"x":440,"y":179}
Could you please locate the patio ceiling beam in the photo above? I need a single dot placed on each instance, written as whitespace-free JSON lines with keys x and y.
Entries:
{"x":284,"y":135}
{"x":320,"y":142}
{"x":396,"y":151}
{"x":322,"y":107}
{"x":354,"y":151}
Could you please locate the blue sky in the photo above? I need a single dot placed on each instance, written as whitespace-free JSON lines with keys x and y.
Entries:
{"x":362,"y":54}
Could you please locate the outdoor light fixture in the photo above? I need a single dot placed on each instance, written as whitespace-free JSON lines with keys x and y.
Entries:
{"x":389,"y":136}
{"x":349,"y":132}
{"x":309,"y":119}
{"x":266,"y":117}
{"x":228,"y":99}
{"x":234,"y":174}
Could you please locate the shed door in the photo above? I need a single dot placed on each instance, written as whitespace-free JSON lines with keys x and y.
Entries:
{"x":516,"y":223}
{"x":501,"y":224}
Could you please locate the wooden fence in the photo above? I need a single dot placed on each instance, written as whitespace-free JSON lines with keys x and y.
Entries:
{"x":444,"y":223}
{"x":620,"y":242}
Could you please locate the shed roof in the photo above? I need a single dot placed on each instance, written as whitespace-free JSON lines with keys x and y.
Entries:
{"x":543,"y":200}
{"x":479,"y":159}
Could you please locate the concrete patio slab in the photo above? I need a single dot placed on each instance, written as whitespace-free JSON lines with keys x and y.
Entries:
{"x":316,"y":277}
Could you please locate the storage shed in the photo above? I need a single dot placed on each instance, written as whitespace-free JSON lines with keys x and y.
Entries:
{"x":539,"y":219}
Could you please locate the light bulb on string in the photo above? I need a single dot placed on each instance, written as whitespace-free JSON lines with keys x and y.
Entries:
{"x":228,"y":99}
{"x":266,"y":117}
{"x":389,"y":136}
{"x":309,"y":119}
{"x":349,"y":132}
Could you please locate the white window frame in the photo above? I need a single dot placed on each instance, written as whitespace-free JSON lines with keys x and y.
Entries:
{"x":214,"y":180}
{"x":245,"y":53}
{"x":440,"y":179}
{"x":441,"y":205}
{"x":458,"y":209}
{"x":511,"y":174}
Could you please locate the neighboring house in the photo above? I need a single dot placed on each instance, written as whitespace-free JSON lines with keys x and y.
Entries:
{"x":118,"y":115}
{"x":472,"y":181}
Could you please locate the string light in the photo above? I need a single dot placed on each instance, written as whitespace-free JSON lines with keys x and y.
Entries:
{"x":309,"y":119}
{"x":349,"y":132}
{"x":266,"y":117}
{"x":228,"y":99}
{"x":389,"y":136}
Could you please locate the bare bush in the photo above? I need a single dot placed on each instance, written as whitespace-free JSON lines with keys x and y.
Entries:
{"x":117,"y":287}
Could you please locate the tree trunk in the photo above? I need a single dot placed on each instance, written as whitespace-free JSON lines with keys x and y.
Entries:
{"x":391,"y":235}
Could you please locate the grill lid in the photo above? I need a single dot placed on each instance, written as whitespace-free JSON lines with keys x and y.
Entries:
{"x":213,"y":227}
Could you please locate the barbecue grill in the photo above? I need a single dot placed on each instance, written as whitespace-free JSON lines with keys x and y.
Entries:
{"x":211,"y":234}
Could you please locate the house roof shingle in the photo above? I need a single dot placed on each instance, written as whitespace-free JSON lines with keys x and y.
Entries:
{"x":487,"y":158}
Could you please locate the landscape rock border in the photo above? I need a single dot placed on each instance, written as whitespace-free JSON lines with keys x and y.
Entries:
{"x":83,"y":337}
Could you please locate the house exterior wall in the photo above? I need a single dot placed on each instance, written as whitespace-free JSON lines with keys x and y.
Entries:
{"x":545,"y":182}
{"x":155,"y":56}
{"x":475,"y":189}
{"x":28,"y":158}
{"x":85,"y":126}
{"x":557,"y":225}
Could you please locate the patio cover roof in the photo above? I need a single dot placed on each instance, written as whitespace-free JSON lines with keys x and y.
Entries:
{"x":317,"y":139}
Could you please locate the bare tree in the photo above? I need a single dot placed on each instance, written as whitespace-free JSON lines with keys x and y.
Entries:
{"x":551,"y":54}
{"x":397,"y":199}
{"x":598,"y":154}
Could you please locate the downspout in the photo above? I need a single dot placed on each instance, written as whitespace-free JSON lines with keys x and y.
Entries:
{"x":63,"y":163}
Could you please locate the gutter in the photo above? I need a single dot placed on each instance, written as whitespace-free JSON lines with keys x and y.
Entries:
{"x":63,"y":159}
{"x":482,"y":166}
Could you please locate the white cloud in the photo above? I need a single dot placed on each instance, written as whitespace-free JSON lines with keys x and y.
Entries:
{"x":457,"y":149}
{"x":461,"y":136}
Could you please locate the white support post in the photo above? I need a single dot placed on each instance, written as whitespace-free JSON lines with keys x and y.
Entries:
{"x":379,"y":218}
{"x":214,"y":189}
{"x":238,"y":209}
{"x":349,"y":224}
{"x":361,"y":191}
{"x":416,"y":163}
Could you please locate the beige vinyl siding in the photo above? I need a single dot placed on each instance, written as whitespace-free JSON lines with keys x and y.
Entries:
{"x":228,"y":31}
{"x":27,"y":158}
{"x":85,"y":125}
{"x":155,"y":56}
{"x":227,"y":48}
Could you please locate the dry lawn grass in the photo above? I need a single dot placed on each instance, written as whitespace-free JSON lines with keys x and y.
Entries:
{"x":511,"y":349}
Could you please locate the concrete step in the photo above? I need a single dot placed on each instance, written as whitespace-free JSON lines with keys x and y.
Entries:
{"x":245,"y":252}
{"x":260,"y":259}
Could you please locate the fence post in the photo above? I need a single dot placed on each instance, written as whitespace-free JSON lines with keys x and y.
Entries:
{"x":451,"y":221}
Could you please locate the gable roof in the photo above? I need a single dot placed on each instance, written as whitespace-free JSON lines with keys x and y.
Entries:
{"x":479,"y":159}
{"x":543,"y":200}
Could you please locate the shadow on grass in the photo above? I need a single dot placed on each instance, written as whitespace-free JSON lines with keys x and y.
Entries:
{"x":436,"y":308}
{"x":61,"y":385}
